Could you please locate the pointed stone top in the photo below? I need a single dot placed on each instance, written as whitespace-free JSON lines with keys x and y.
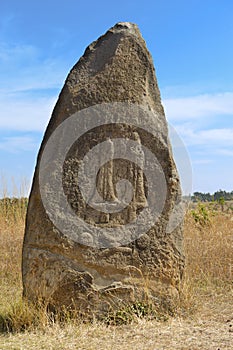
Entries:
{"x":125,"y":26}
{"x":129,"y":27}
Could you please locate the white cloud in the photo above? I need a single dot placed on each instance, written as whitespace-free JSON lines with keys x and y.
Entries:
{"x":218,"y":137}
{"x":16,"y":144}
{"x":24,"y":67}
{"x":202,"y":161}
{"x":17,"y":53}
{"x":196,"y":107}
{"x":225,"y":152}
{"x":211,"y":137}
{"x":27,"y":85}
{"x":26,"y":114}
{"x":203,"y":123}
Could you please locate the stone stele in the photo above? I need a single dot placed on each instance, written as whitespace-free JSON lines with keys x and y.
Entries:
{"x":100,"y":263}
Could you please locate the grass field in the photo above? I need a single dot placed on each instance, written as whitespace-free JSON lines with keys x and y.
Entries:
{"x":204,"y":316}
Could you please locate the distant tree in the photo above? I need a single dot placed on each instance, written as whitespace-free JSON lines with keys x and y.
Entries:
{"x":219,"y":196}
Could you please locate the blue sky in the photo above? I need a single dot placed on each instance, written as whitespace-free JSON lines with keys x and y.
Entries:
{"x":192,"y":47}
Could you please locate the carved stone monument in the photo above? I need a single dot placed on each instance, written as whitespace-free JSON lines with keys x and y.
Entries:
{"x":95,"y":247}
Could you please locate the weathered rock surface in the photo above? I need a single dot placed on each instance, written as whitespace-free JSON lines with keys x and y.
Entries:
{"x":61,"y":270}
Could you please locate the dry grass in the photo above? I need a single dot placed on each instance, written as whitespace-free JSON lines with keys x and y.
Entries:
{"x":209,"y":257}
{"x":205,"y":315}
{"x":12,"y":220}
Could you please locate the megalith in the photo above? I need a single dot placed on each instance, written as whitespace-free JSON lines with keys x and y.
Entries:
{"x":103,"y":226}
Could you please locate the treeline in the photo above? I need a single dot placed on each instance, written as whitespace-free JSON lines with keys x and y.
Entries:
{"x":219,"y":195}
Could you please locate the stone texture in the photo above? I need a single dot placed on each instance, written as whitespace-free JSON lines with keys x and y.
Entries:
{"x":58,"y":270}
